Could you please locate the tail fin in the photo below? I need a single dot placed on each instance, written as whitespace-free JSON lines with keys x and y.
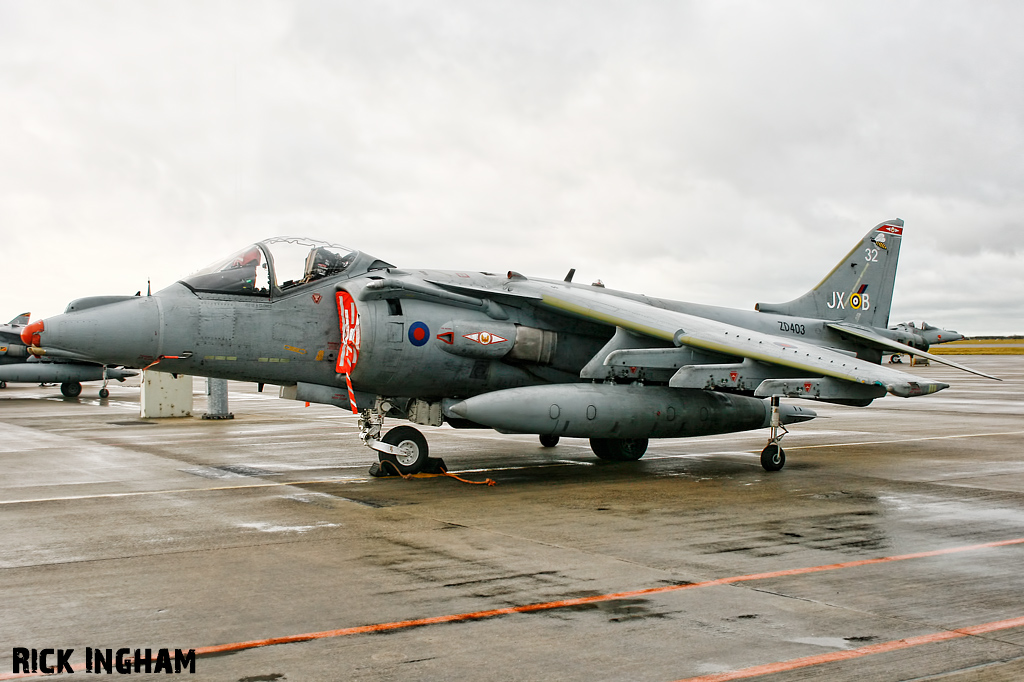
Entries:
{"x":859,"y":288}
{"x":22,"y":319}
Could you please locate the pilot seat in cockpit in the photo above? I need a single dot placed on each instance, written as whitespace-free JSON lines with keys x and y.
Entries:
{"x":323,"y":262}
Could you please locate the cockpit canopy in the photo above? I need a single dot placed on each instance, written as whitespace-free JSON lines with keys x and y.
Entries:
{"x":275,"y":267}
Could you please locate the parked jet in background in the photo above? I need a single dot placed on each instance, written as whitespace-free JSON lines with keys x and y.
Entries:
{"x":922,"y":337}
{"x":17,"y":365}
{"x":554,"y":358}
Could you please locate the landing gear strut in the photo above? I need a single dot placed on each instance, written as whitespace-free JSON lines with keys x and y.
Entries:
{"x":401,"y":450}
{"x":773,"y":457}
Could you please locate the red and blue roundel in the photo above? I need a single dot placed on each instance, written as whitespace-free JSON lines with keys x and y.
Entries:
{"x":419,"y":333}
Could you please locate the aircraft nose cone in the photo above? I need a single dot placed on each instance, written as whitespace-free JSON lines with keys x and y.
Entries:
{"x":121,"y":333}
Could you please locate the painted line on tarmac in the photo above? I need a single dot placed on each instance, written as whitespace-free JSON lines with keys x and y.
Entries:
{"x":905,"y":440}
{"x":578,"y":601}
{"x":558,"y":463}
{"x":870,"y":650}
{"x":716,"y":677}
{"x":143,"y":493}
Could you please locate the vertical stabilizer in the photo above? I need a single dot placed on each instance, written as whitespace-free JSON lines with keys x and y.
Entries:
{"x":21,"y":320}
{"x":859,"y":288}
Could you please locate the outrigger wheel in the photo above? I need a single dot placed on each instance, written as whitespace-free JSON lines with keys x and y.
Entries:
{"x":414,"y":449}
{"x":773,"y":457}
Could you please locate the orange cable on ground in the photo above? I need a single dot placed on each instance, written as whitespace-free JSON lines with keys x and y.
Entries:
{"x":444,"y":472}
{"x":487,"y":481}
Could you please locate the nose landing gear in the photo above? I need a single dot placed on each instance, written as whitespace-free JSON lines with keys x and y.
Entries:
{"x":402,"y":450}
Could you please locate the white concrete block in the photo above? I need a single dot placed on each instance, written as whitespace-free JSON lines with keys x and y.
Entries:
{"x":165,"y":396}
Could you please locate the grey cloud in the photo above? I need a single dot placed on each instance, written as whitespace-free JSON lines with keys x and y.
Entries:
{"x":720,"y":152}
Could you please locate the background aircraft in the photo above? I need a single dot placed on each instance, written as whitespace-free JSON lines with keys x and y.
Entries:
{"x":17,"y":365}
{"x":922,"y":337}
{"x":554,"y":358}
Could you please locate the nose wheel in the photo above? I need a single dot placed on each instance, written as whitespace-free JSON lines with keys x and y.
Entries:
{"x":410,"y":449}
{"x":401,"y":450}
{"x":773,"y":457}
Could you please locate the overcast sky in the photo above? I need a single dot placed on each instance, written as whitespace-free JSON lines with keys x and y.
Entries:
{"x":718,"y":152}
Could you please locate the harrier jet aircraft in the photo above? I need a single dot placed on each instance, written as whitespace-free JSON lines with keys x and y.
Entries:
{"x":518,"y":354}
{"x":17,"y":365}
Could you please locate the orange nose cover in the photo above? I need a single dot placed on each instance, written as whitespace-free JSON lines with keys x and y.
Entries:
{"x":30,"y":334}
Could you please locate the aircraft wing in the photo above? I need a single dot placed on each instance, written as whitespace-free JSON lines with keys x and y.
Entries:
{"x":880,"y":341}
{"x":10,"y":334}
{"x":710,"y":335}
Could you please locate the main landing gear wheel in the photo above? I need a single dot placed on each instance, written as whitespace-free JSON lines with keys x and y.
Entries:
{"x":3,"y":384}
{"x":71,"y":389}
{"x":104,"y":393}
{"x":413,"y":446}
{"x":619,"y":449}
{"x":773,"y":457}
{"x":549,"y":441}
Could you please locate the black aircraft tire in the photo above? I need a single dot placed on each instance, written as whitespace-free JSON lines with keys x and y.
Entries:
{"x":773,"y":457}
{"x":619,"y":449}
{"x":3,"y":384}
{"x":104,"y":393}
{"x":412,"y":443}
{"x":549,"y":441}
{"x":71,"y":389}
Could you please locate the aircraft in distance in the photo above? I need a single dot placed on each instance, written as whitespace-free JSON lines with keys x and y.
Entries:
{"x":922,"y":337}
{"x":17,"y":365}
{"x":514,"y":353}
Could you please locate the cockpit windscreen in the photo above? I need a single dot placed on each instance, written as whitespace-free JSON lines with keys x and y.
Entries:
{"x":299,"y":261}
{"x":274,"y":266}
{"x":243,"y":272}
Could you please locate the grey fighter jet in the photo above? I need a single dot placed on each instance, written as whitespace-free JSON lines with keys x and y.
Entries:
{"x":17,"y":365}
{"x":922,"y":337}
{"x":514,"y":353}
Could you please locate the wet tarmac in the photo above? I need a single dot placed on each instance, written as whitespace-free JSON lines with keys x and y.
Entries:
{"x":891,"y":547}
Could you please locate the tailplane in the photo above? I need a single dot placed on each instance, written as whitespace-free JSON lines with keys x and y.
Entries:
{"x":859,"y":288}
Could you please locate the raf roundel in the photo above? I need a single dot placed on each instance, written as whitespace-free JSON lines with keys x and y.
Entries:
{"x":419,"y":333}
